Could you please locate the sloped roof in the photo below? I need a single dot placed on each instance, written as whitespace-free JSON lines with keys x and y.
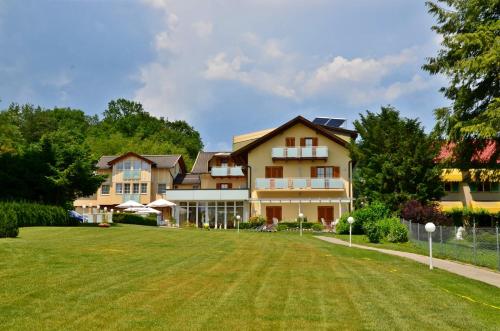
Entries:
{"x":200,"y":165}
{"x":159,"y":161}
{"x":299,"y":119}
{"x":187,"y":179}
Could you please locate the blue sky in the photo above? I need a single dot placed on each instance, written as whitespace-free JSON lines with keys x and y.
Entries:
{"x":225,"y":66}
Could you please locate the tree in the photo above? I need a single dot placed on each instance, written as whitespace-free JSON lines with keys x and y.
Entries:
{"x":394,"y":160}
{"x":470,"y":58}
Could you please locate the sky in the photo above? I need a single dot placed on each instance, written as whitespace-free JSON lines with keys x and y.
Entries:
{"x":226,"y":66}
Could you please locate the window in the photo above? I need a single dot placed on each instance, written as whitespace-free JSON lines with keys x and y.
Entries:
{"x":105,"y":189}
{"x":137,"y":165}
{"x":484,"y":187}
{"x":196,"y":187}
{"x":325,"y":172}
{"x":135,"y":188}
{"x":308,"y":142}
{"x":127,"y":165}
{"x":145,"y":166}
{"x":144,"y":188}
{"x":126,"y":188}
{"x":451,"y":187}
{"x":224,"y":186}
{"x":162,"y":188}
{"x":119,"y":166}
{"x":119,"y":188}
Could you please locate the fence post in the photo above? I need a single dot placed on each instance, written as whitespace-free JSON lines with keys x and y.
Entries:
{"x":498,"y":248}
{"x":418,"y":231}
{"x":441,"y":238}
{"x":410,"y":229}
{"x":474,"y":241}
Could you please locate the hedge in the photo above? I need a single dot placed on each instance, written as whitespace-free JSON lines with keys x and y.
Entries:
{"x":125,"y":218}
{"x":34,"y":214}
{"x":467,"y":216}
{"x":8,"y":223}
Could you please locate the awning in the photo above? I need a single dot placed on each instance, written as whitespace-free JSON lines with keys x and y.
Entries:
{"x":451,"y":175}
{"x":491,"y":206}
{"x":449,"y":205}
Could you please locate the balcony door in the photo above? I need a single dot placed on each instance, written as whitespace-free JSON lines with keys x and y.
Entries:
{"x":273,"y":212}
{"x":274,"y":172}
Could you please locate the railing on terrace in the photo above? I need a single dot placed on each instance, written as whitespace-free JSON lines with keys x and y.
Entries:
{"x":298,"y":183}
{"x":227,"y":172}
{"x":478,"y":246}
{"x":312,"y":152}
{"x":131,"y":174}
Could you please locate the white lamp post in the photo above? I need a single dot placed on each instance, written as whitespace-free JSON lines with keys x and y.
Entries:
{"x":350,"y":220}
{"x":430,"y":228}
{"x":238,"y":218}
{"x":301,"y":216}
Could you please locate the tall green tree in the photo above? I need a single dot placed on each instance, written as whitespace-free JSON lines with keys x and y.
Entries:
{"x":470,"y":58}
{"x":394,"y":160}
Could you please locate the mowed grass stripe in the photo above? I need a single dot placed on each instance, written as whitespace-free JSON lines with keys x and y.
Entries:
{"x":134,"y":277}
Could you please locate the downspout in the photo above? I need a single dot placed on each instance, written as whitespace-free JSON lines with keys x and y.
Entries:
{"x":249,"y":183}
{"x":351,"y":206}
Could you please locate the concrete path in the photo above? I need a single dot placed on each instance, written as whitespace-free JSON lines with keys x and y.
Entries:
{"x":466,"y":270}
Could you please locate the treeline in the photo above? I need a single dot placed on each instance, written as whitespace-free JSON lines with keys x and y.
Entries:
{"x":49,"y":155}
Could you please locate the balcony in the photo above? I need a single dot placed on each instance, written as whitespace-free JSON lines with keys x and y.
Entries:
{"x":134,"y":197}
{"x":207,"y":195}
{"x":298,"y":153}
{"x":131,"y":174}
{"x":299,"y":183}
{"x":227,"y":172}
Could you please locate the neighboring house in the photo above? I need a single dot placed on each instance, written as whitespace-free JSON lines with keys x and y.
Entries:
{"x":299,"y":167}
{"x":143,"y":178}
{"x":466,"y":189}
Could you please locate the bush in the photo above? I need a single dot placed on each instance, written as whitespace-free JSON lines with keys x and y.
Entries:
{"x":282,"y":227}
{"x":467,"y":217}
{"x":296,"y":225}
{"x":373,"y":232}
{"x":256,"y":221}
{"x":34,"y":214}
{"x":125,"y":218}
{"x":317,"y":227}
{"x":398,"y":233}
{"x":8,"y":224}
{"x":386,"y":224}
{"x":415,"y":211}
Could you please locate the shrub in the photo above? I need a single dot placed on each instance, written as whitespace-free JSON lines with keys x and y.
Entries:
{"x":296,"y":225}
{"x":282,"y":227}
{"x":421,"y":213}
{"x":125,"y":218}
{"x":317,"y":227}
{"x":256,"y":220}
{"x":386,"y":224}
{"x":33,"y":214}
{"x":397,"y":233}
{"x":8,"y":224}
{"x":343,"y":226}
{"x":373,"y":232}
{"x":467,"y":217}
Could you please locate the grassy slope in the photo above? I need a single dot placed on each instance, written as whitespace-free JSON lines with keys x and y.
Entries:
{"x":133,"y":277}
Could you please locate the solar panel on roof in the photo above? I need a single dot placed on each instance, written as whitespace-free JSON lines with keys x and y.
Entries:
{"x":329,"y":121}
{"x":320,"y":120}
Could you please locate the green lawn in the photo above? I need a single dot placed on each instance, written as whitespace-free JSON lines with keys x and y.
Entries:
{"x":134,"y":277}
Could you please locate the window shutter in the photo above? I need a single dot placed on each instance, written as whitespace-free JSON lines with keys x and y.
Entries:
{"x":229,"y":185}
{"x":315,"y":141}
{"x":302,"y":142}
{"x":290,"y":142}
{"x":336,"y":172}
{"x":269,"y":172}
{"x":313,"y":172}
{"x":217,"y":162}
{"x":278,"y":172}
{"x":217,"y":186}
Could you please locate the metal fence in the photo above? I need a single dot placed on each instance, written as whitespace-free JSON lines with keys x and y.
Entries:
{"x":478,"y":246}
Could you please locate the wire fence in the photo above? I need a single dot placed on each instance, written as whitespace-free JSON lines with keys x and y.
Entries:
{"x":478,"y":246}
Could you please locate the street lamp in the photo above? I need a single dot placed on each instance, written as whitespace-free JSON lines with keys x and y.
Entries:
{"x":350,"y":220}
{"x":238,"y":218}
{"x":301,"y":216}
{"x":430,"y":228}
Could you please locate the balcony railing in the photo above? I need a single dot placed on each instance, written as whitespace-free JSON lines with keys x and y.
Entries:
{"x":206,"y":195}
{"x":312,"y":152}
{"x":131,"y":174}
{"x":134,"y":197}
{"x":227,"y":172}
{"x":298,"y":183}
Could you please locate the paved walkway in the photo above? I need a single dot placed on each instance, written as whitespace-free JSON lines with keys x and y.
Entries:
{"x":466,"y":270}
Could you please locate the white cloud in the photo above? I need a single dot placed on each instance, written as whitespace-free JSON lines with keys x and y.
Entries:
{"x":203,"y":29}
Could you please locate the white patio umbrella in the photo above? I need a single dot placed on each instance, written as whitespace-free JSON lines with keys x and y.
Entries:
{"x":143,"y":210}
{"x":130,"y":204}
{"x":161,"y":203}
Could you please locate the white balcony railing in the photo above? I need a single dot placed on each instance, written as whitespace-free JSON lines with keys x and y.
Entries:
{"x":298,"y":183}
{"x":300,"y":152}
{"x":207,"y":195}
{"x":227,"y":172}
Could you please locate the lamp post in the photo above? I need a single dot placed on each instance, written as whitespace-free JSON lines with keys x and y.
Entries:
{"x":301,"y":216}
{"x":430,"y":228}
{"x":350,"y":220}
{"x":238,"y":218}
